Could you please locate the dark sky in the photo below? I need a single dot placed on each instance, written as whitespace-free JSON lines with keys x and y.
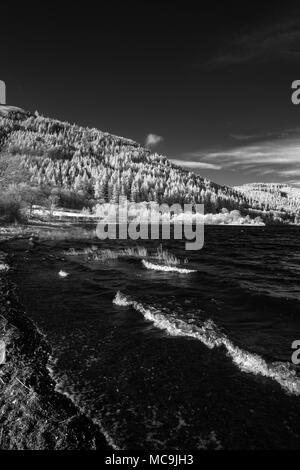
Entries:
{"x":213,"y":81}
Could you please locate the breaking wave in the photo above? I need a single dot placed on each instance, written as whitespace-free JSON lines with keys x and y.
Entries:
{"x":166,"y":268}
{"x":211,"y":337}
{"x":4,"y":267}
{"x":63,"y":273}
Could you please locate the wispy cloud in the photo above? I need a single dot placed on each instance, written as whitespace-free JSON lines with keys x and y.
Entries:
{"x":276,"y":41}
{"x":276,"y":158}
{"x":281,"y":134}
{"x":152,"y":140}
{"x":285,"y":152}
{"x":197,"y":165}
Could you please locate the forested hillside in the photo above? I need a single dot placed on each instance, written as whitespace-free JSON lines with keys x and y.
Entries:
{"x":273,"y":197}
{"x":54,"y":163}
{"x":71,"y":161}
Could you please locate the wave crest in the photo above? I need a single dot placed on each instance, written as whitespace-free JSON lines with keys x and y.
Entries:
{"x":166,"y":268}
{"x":4,"y":267}
{"x":211,"y":337}
{"x":63,"y":273}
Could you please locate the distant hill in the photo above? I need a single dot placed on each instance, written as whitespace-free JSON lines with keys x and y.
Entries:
{"x":71,"y":166}
{"x":272,"y":197}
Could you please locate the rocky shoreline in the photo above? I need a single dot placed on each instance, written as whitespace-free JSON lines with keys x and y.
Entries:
{"x":33,"y":415}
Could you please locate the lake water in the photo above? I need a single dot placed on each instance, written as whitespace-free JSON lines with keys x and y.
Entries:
{"x":195,"y":358}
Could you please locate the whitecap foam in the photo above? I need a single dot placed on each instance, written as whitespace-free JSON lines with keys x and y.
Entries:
{"x":166,"y":268}
{"x":211,"y":337}
{"x":174,"y":326}
{"x":4,"y":267}
{"x":253,"y":363}
{"x":121,"y":300}
{"x":63,"y":273}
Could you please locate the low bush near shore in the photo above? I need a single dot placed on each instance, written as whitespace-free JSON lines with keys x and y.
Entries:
{"x":10,"y":209}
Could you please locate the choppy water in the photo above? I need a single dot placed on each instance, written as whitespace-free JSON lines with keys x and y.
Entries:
{"x":197,"y":357}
